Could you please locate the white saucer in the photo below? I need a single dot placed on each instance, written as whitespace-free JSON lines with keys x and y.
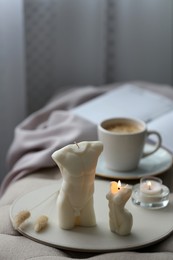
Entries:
{"x":152,"y":165}
{"x":147,"y":226}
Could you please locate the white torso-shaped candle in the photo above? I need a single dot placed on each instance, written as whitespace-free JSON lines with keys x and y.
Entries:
{"x":77,"y":163}
{"x":120,"y":219}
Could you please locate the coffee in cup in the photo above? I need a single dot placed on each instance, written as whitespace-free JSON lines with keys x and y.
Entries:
{"x":123,"y":140}
{"x":123,"y":128}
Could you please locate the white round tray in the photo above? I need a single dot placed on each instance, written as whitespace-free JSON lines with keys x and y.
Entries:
{"x":149,"y":226}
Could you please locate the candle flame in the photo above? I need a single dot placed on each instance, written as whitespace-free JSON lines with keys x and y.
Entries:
{"x":149,"y":185}
{"x":119,"y":184}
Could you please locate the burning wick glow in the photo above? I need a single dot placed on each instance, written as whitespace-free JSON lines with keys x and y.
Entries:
{"x":113,"y":187}
{"x":149,"y":185}
{"x":119,"y":184}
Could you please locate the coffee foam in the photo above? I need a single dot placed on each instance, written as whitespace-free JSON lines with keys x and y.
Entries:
{"x":123,"y":128}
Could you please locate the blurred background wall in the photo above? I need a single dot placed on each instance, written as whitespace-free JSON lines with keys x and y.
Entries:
{"x":52,"y":45}
{"x":12,"y":74}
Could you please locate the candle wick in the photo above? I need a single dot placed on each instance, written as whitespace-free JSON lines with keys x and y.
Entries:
{"x":149,"y":186}
{"x":76,"y":144}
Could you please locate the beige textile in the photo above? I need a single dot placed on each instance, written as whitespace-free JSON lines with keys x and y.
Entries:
{"x":14,"y":246}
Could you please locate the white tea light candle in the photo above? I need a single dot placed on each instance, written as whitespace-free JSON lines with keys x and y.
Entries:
{"x":151,"y":186}
{"x":150,"y":193}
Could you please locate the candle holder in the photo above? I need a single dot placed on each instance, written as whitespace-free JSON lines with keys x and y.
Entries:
{"x":150,"y":193}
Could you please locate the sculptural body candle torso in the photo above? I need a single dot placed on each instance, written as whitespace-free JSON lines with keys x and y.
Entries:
{"x":77,"y":163}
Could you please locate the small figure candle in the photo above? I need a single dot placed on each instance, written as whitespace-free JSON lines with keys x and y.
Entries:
{"x":120,"y":219}
{"x":77,"y":163}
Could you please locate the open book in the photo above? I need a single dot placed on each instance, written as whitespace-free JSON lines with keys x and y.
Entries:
{"x":131,"y":101}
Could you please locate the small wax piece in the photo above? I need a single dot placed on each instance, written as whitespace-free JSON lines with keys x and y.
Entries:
{"x":20,"y":218}
{"x":41,"y":223}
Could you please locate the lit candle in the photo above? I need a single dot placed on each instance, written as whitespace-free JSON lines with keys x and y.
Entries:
{"x":150,"y":189}
{"x":120,"y":219}
{"x":150,"y":193}
{"x":77,"y":163}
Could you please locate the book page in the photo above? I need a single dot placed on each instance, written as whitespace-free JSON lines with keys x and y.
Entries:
{"x":125,"y":101}
{"x":164,"y":125}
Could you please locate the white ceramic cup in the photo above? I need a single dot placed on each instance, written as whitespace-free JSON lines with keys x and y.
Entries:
{"x":123,"y":142}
